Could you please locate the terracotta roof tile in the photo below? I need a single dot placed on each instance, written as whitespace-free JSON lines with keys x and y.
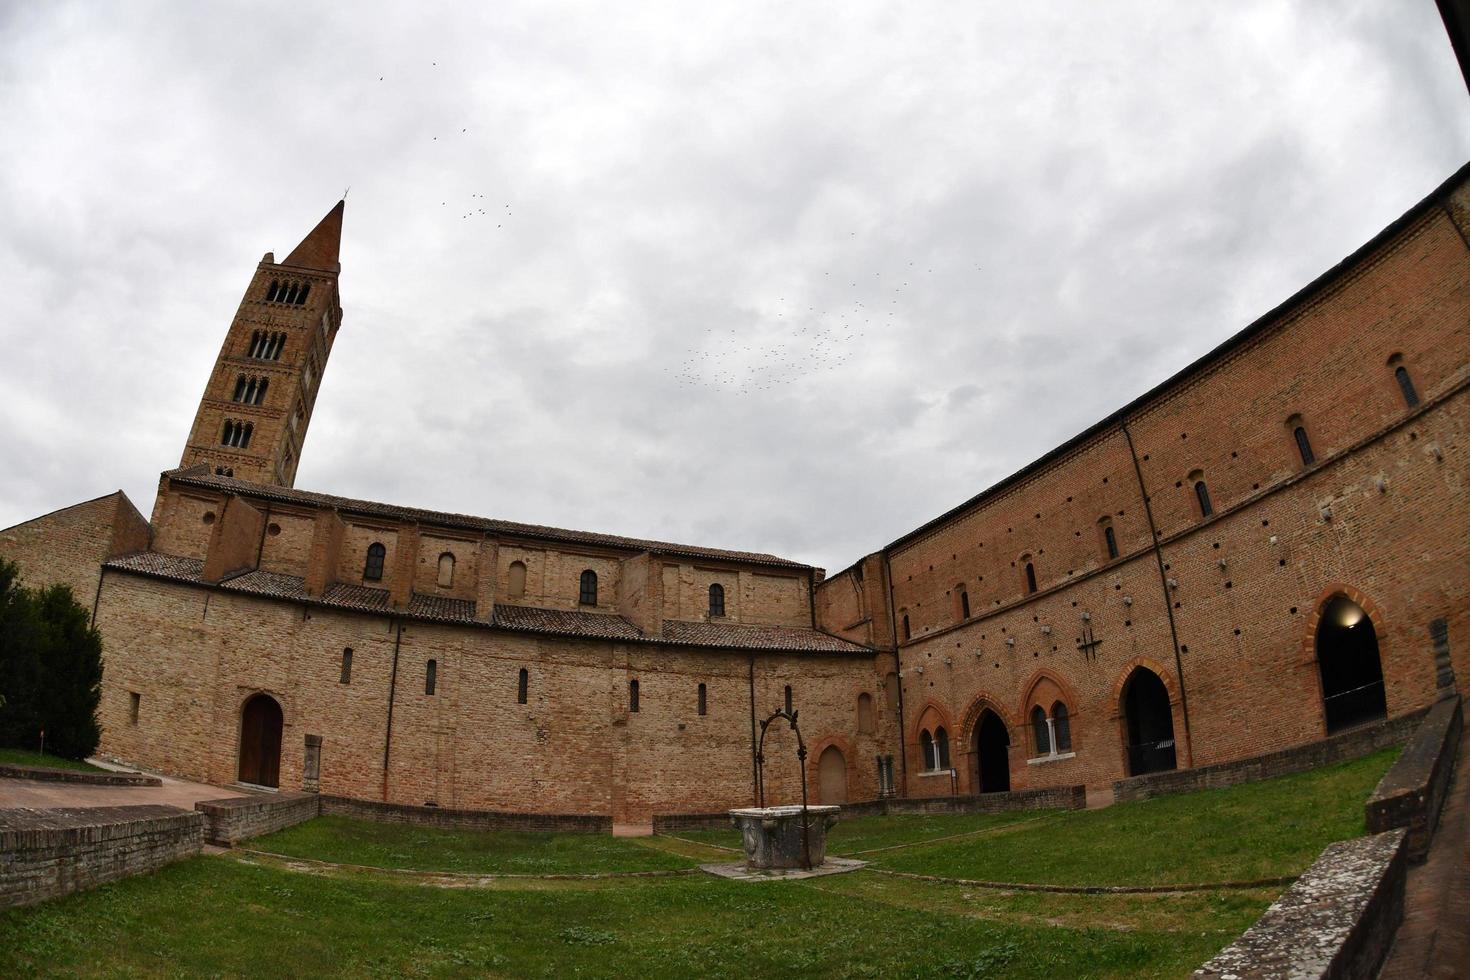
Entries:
{"x":755,"y":637}
{"x":441,"y":608}
{"x":357,"y":597}
{"x":200,"y":476}
{"x":528,"y":619}
{"x":566,"y":622}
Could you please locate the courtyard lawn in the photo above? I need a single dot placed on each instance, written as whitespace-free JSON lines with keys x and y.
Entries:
{"x":22,"y":757}
{"x":223,"y":915}
{"x":1258,"y":830}
{"x":863,"y":834}
{"x":396,"y":845}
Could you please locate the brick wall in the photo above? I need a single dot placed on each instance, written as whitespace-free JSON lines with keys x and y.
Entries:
{"x":1414,"y":788}
{"x":68,"y":546}
{"x":49,"y":853}
{"x":1300,"y":758}
{"x":229,"y":821}
{"x":431,"y":816}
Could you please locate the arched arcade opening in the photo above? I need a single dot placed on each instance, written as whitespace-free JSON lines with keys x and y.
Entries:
{"x":992,"y":754}
{"x":1349,"y":665}
{"x":831,"y":776}
{"x":1149,"y":723}
{"x":260,"y":741}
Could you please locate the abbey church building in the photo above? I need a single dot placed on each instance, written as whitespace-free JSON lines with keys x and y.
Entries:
{"x":1261,"y":552}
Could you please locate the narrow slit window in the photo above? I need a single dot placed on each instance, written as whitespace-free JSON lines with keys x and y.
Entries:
{"x":1406,"y":386}
{"x":703,"y":699}
{"x":1030,"y":578}
{"x":906,"y":632}
{"x":134,"y":702}
{"x":633,"y":695}
{"x":1202,"y":495}
{"x":346,"y":666}
{"x":1304,"y":445}
{"x":1111,"y":540}
{"x":431,"y":676}
{"x":964,"y":605}
{"x":522,"y":686}
{"x":788,"y":699}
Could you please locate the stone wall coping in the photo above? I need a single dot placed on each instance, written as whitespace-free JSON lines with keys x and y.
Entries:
{"x":1411,"y":793}
{"x":1338,"y":920}
{"x":465,"y":818}
{"x":24,"y":828}
{"x":51,"y":775}
{"x":251,"y":800}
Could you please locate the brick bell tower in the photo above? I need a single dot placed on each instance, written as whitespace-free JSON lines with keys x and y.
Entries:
{"x":252,"y":419}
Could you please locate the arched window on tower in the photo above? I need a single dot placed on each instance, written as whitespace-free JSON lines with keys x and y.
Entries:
{"x":961,"y":602}
{"x":270,"y":294}
{"x":1202,"y":497}
{"x":907,"y":633}
{"x":249,"y":431}
{"x":446,"y":570}
{"x":587,"y":591}
{"x":227,"y":435}
{"x":1030,"y":578}
{"x":1040,"y":731}
{"x":1303,"y":444}
{"x":716,"y":600}
{"x":301,"y":300}
{"x":372,"y":570}
{"x":291,"y":294}
{"x":250,"y":387}
{"x":239,"y":394}
{"x":1406,"y":383}
{"x":260,"y":391}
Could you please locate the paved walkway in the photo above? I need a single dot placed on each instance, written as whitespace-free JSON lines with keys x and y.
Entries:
{"x":1434,"y":940}
{"x":40,"y":794}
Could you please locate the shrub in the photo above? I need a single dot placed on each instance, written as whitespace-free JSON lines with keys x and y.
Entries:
{"x":50,"y":668}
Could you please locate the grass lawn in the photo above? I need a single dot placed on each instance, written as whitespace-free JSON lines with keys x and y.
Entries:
{"x":221,"y":915}
{"x":396,"y":845}
{"x":1258,"y":830}
{"x":866,"y":833}
{"x":22,"y":757}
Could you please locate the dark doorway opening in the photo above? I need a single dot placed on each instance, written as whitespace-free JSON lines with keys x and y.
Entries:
{"x":992,"y":753}
{"x":1150,"y":723}
{"x":1347,"y":659}
{"x":260,"y":741}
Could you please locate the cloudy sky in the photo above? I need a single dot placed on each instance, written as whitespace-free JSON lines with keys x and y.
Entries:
{"x":770,"y":276}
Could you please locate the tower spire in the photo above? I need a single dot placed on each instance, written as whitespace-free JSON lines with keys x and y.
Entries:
{"x":319,"y":249}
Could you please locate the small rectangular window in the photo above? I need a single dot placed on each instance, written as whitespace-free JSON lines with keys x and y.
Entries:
{"x":632,"y":695}
{"x":431,"y":677}
{"x":702,"y":701}
{"x":347,"y":666}
{"x":134,"y":699}
{"x":521,"y":687}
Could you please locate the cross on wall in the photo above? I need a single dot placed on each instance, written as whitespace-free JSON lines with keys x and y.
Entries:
{"x":1088,"y":644}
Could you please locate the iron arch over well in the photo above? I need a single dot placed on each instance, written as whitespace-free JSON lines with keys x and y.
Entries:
{"x":1349,"y":665}
{"x":260,"y":741}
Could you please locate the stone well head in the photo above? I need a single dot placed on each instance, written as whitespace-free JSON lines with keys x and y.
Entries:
{"x":784,"y":837}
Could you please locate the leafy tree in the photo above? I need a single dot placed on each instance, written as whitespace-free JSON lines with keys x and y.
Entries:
{"x":50,"y":668}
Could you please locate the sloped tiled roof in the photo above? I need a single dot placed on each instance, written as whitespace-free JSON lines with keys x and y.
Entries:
{"x":755,"y":637}
{"x":523,"y":619}
{"x":566,"y":622}
{"x":199,"y":476}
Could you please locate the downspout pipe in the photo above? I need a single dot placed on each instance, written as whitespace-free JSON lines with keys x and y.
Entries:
{"x":754,"y":764}
{"x":392,"y":688}
{"x":903,"y":753}
{"x":1153,"y":537}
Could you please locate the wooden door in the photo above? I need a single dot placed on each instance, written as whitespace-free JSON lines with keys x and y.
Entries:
{"x":260,"y":741}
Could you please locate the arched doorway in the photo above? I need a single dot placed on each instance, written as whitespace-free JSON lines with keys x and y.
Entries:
{"x":1150,"y":723}
{"x":1347,"y":660}
{"x":992,"y":753}
{"x":260,"y":741}
{"x":831,"y":776}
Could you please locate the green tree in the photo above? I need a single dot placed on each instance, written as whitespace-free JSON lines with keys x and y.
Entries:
{"x":50,"y":668}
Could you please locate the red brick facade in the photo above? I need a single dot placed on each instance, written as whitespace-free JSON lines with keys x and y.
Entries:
{"x":1195,"y":536}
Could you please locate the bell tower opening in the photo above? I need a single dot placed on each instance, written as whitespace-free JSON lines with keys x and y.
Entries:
{"x":279,"y":342}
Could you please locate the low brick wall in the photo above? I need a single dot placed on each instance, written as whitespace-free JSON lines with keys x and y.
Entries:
{"x":1338,"y":748}
{"x":47,"y":774}
{"x":1337,"y":921}
{"x":1047,"y":798}
{"x":436,"y":816}
{"x":49,"y":853}
{"x":229,"y":821}
{"x":1413,"y":790}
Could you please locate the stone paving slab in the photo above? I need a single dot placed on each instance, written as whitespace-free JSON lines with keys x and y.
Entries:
{"x":737,"y":871}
